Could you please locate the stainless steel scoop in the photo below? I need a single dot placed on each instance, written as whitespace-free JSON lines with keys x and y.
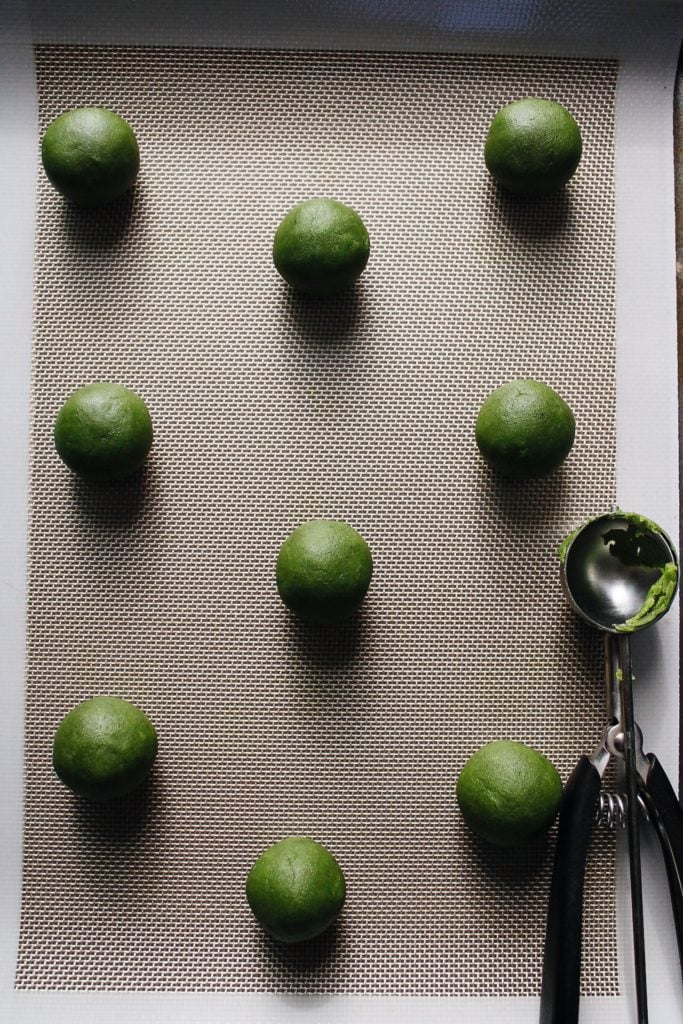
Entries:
{"x":609,"y":566}
{"x":620,"y":573}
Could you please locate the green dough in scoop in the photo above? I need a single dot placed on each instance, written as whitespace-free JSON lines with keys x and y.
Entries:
{"x":659,"y":597}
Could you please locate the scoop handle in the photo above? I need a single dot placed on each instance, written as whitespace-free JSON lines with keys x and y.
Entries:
{"x":667,"y":817}
{"x":562,"y":957}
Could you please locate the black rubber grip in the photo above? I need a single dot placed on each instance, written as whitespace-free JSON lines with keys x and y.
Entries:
{"x":562,"y":959}
{"x":667,"y":817}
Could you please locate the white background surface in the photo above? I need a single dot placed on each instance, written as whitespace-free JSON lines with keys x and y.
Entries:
{"x":646,"y":38}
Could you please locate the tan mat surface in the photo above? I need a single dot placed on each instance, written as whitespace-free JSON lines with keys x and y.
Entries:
{"x":270,"y":410}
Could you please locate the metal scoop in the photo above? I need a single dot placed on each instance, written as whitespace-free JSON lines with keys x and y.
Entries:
{"x":609,"y":567}
{"x":620,"y":574}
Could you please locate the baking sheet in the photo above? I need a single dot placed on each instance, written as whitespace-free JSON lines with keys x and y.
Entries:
{"x":269,"y":410}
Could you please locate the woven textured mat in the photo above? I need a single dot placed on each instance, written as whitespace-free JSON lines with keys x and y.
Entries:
{"x":270,"y":410}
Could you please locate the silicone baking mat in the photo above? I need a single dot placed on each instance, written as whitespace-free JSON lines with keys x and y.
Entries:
{"x":269,"y":410}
